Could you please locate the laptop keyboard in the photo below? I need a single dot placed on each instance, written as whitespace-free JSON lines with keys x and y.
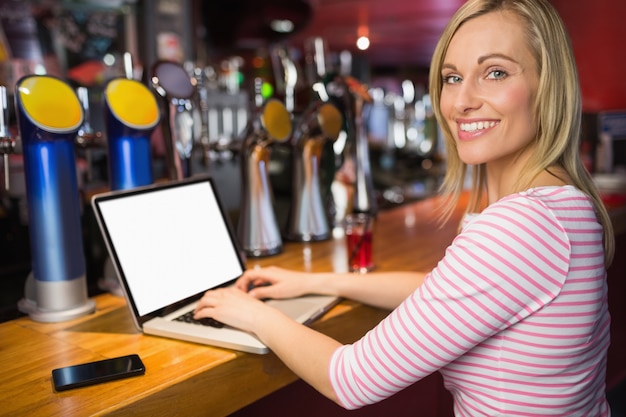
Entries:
{"x":188,"y":318}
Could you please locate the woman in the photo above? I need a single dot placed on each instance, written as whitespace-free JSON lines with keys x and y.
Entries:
{"x":515,"y":315}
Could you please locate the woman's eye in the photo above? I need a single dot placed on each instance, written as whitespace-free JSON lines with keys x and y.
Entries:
{"x":451,"y":79}
{"x":497,"y":74}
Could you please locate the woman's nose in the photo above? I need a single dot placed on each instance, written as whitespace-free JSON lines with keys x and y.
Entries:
{"x":467,"y":98}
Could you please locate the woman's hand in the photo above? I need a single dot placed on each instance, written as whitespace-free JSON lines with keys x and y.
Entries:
{"x":233,"y":307}
{"x":274,"y":282}
{"x":304,"y":350}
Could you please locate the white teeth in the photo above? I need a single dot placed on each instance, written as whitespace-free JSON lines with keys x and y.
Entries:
{"x":474,"y":126}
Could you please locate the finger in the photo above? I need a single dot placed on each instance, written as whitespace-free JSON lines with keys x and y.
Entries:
{"x":252,"y":282}
{"x":199,"y":312}
{"x":208,"y":300}
{"x":244,"y":281}
{"x":249,"y":279}
{"x":260,"y":292}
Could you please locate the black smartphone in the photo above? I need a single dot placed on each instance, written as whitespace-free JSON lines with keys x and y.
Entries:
{"x":96,"y":372}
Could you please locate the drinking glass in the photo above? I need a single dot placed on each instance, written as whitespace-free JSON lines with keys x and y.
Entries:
{"x":358,"y":230}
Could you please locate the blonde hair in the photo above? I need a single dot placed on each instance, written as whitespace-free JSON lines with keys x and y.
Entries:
{"x":558,"y":108}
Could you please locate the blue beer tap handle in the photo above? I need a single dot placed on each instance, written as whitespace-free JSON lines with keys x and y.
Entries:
{"x":48,"y":117}
{"x":131,"y":114}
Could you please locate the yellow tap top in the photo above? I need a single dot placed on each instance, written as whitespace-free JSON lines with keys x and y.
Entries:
{"x":330,"y":120}
{"x":132,"y":103}
{"x":276,"y":120}
{"x":50,"y":103}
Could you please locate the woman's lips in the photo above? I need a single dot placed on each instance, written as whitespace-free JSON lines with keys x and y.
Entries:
{"x":472,"y":129}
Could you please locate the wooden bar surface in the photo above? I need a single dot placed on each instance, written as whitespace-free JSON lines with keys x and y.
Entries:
{"x":185,"y":378}
{"x":191,"y":379}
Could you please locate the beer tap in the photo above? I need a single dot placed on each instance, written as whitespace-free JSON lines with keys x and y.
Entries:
{"x":181,"y":124}
{"x":87,"y":138}
{"x":257,"y":228}
{"x":49,"y":116}
{"x":353,"y":98}
{"x":131,"y":114}
{"x":7,"y":143}
{"x":319,"y":123}
{"x":308,"y":220}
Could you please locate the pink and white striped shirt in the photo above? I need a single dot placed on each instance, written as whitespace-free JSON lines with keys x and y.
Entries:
{"x":514,"y":316}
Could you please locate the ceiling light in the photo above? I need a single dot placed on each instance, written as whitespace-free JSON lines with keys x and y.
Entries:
{"x":363,"y":43}
{"x":282,"y":25}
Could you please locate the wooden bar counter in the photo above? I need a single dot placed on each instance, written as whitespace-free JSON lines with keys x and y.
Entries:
{"x":189,"y":379}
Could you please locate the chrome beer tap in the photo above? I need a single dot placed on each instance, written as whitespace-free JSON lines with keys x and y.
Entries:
{"x":308,"y":220}
{"x":319,"y":123}
{"x":88,"y":138}
{"x":364,"y":196}
{"x":181,"y":124}
{"x":7,"y":143}
{"x":353,"y":99}
{"x":257,"y":228}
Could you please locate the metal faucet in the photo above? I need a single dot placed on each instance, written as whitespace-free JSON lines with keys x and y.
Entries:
{"x":257,"y":228}
{"x":352,"y":98}
{"x":308,"y":220}
{"x":87,"y":138}
{"x":364,"y":196}
{"x":7,"y":143}
{"x":181,"y":124}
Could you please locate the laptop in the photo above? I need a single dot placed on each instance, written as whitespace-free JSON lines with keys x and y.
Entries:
{"x":171,"y":242}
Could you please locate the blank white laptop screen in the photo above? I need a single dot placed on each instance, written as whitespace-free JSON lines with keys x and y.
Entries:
{"x":174,"y":235}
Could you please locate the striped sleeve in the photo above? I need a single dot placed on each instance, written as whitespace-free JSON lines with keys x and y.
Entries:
{"x":506,"y":264}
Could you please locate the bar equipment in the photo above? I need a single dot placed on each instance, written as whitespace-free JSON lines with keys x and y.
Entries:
{"x":49,"y":115}
{"x":87,"y":137}
{"x":352,"y":97}
{"x":364,"y":197}
{"x":308,"y":220}
{"x":285,"y":75}
{"x":181,"y":124}
{"x":131,"y":114}
{"x":257,"y":228}
{"x":315,"y":124}
{"x":7,"y":143}
{"x":316,"y":52}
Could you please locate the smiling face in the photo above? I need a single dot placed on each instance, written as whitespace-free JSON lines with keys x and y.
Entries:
{"x":490,"y":82}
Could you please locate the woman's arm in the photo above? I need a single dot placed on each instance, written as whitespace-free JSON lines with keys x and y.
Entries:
{"x":305,"y":351}
{"x":382,"y":289}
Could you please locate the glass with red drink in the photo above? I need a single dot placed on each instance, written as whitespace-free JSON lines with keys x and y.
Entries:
{"x":358,"y":229}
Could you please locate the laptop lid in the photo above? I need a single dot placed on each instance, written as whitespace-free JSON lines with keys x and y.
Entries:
{"x":169,"y":243}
